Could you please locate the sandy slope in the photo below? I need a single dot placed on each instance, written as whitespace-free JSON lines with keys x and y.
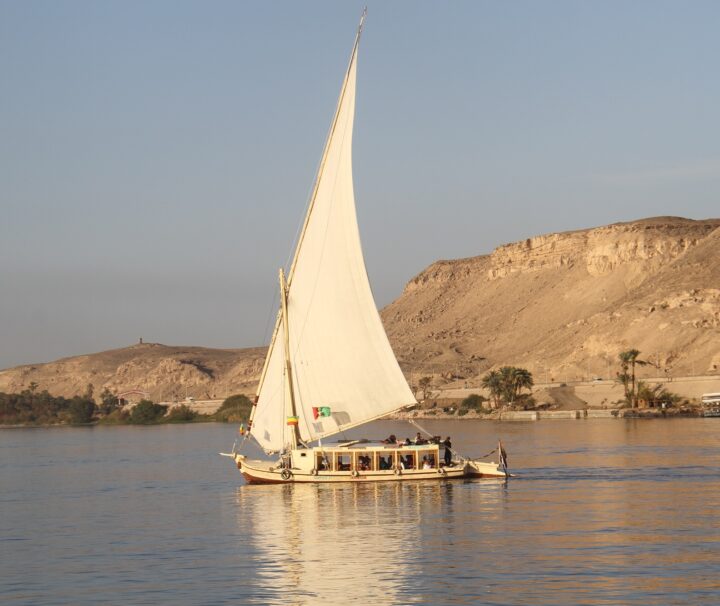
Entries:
{"x":564,"y":305}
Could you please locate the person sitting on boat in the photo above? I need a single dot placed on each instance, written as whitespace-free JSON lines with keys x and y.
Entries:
{"x":419,"y":439}
{"x":384,"y":462}
{"x":408,"y":463}
{"x":426,"y":464}
{"x":408,"y":442}
{"x":448,"y":451}
{"x":391,"y":440}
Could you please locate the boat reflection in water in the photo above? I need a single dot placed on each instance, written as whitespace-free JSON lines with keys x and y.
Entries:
{"x":340,"y":543}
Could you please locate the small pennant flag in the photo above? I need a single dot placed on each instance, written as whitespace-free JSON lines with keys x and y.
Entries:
{"x":502,"y":455}
{"x":241,"y":429}
{"x":321,"y":411}
{"x":292,"y":420}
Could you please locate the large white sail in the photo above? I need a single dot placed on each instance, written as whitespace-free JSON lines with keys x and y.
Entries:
{"x":340,"y":355}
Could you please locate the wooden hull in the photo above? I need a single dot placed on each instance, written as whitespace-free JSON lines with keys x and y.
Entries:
{"x":265,"y":472}
{"x":477,"y":469}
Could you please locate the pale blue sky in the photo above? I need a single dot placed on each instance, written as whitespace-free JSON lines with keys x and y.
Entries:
{"x":156,"y":157}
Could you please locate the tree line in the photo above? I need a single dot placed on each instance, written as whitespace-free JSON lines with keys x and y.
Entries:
{"x":33,"y":407}
{"x":506,"y":384}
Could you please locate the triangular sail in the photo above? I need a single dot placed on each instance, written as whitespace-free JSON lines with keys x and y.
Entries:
{"x":339,"y":352}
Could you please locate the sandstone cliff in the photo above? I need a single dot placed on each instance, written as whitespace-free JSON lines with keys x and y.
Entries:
{"x":564,"y":305}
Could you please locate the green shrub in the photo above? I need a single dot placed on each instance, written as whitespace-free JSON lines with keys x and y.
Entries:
{"x":472,"y":402}
{"x":32,"y":408}
{"x":146,"y":412}
{"x":109,"y":402}
{"x":181,"y":414}
{"x":234,"y":409}
{"x":81,"y":410}
{"x":116,"y":417}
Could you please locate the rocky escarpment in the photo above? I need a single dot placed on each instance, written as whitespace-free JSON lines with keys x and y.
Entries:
{"x":564,"y":305}
{"x":645,"y":244}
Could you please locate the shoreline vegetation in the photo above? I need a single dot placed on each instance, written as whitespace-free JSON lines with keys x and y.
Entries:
{"x":27,"y":410}
{"x":41,"y":409}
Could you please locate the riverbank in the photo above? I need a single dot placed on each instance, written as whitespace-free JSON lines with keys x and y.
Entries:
{"x":113,"y":423}
{"x":30,"y":409}
{"x":688,"y":411}
{"x":423,"y":415}
{"x":439,"y":409}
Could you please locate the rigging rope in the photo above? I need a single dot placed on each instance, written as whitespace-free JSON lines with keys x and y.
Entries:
{"x":494,"y":450}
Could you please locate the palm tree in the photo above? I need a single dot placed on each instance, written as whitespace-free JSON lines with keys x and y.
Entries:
{"x":623,"y":375}
{"x":492,"y":381}
{"x":523,"y":380}
{"x":514,"y":379}
{"x":507,"y":379}
{"x":506,"y":383}
{"x":629,"y":359}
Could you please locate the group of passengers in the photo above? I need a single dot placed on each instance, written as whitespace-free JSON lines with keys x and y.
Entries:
{"x":419,"y":440}
{"x":385,"y":462}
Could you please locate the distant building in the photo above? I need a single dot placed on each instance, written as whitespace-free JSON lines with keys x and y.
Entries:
{"x":132,"y":396}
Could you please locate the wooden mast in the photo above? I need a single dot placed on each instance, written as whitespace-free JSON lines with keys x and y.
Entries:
{"x":288,"y":364}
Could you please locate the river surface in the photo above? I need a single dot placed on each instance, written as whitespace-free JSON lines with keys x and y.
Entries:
{"x":602,"y":511}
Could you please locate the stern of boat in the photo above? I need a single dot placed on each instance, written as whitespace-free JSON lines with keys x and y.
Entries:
{"x":481,"y":469}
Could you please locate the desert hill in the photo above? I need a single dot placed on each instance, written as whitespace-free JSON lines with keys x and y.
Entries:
{"x":165,"y":372}
{"x":562,"y":305}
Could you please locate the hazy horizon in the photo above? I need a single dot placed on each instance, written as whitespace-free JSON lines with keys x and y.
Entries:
{"x":155,"y":160}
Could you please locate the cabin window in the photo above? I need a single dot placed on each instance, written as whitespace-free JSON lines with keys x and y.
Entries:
{"x":343,"y":462}
{"x":407,"y":460}
{"x":428,"y":460}
{"x":364,"y":462}
{"x":385,"y":462}
{"x":322,"y":462}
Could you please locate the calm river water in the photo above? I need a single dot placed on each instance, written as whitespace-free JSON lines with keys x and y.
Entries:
{"x":602,"y":512}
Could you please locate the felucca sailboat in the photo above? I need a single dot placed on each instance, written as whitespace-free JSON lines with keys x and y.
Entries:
{"x":330,"y":366}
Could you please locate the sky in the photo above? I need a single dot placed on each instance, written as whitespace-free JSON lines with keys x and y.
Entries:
{"x":156,"y":158}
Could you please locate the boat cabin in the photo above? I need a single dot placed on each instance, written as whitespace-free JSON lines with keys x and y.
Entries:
{"x":364,"y":458}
